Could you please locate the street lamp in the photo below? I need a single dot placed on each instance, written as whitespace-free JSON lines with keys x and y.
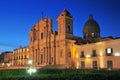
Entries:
{"x":31,"y":69}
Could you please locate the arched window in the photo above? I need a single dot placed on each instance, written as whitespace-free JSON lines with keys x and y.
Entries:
{"x":34,"y":35}
{"x":93,"y":34}
{"x":68,"y":29}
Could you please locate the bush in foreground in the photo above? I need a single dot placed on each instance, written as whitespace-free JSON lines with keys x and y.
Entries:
{"x":60,"y":74}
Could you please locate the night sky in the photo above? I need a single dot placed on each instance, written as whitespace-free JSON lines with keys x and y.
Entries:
{"x":17,"y":17}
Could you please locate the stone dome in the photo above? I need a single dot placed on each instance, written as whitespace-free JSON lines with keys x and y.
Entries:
{"x":91,"y":28}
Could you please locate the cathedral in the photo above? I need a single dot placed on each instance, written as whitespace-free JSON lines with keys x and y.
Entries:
{"x":62,"y":49}
{"x":49,"y":47}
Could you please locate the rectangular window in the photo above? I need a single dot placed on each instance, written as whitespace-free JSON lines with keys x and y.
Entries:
{"x":34,"y":35}
{"x":69,"y":54}
{"x":94,"y":64}
{"x":109,"y":64}
{"x":82,"y":54}
{"x":21,"y":57}
{"x":52,"y":59}
{"x":109,"y":51}
{"x":82,"y":65}
{"x":41,"y":58}
{"x":25,"y":57}
{"x":17,"y":57}
{"x":94,"y":53}
{"x":41,"y":35}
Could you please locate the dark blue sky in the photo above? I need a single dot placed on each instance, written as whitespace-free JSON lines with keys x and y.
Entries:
{"x":18,"y":16}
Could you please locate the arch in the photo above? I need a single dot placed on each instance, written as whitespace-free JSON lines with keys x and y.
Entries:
{"x":68,"y":29}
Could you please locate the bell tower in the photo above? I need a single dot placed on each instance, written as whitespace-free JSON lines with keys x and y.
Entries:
{"x":65,"y":24}
{"x":65,"y":32}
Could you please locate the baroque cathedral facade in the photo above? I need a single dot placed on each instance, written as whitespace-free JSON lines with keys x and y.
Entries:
{"x":64,"y":50}
{"x":51,"y":47}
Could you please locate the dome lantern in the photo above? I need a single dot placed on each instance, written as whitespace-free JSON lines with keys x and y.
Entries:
{"x":90,"y":16}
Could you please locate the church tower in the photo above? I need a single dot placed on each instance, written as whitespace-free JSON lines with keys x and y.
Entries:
{"x":65,"y":34}
{"x":65,"y":24}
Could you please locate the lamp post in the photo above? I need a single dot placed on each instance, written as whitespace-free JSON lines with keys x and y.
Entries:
{"x":31,"y":69}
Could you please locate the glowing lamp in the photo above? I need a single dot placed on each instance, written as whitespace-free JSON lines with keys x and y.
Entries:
{"x":117,"y":54}
{"x":77,"y":66}
{"x":3,"y":64}
{"x":77,"y":56}
{"x":101,"y":54}
{"x":87,"y":56}
{"x":8,"y":64}
{"x":30,"y":62}
{"x":31,"y":70}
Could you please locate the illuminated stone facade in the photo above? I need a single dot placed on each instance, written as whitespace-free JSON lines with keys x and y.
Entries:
{"x":64,"y":50}
{"x":100,"y":55}
{"x":20,"y":57}
{"x":48,"y":47}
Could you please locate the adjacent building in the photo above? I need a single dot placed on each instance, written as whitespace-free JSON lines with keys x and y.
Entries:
{"x":99,"y":55}
{"x":20,"y":56}
{"x":5,"y":59}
